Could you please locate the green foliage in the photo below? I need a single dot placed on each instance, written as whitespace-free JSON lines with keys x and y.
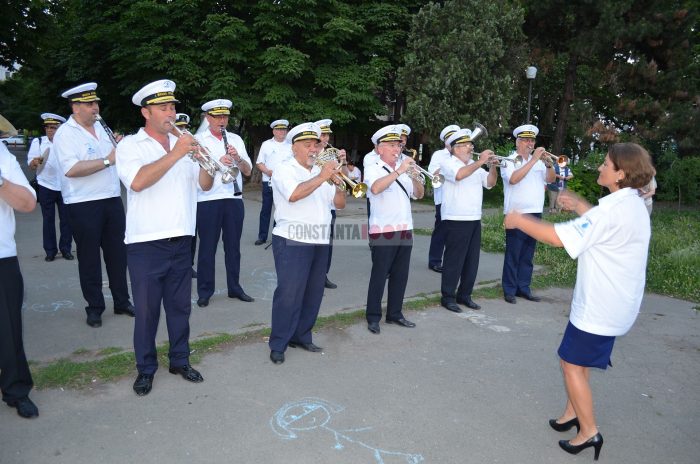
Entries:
{"x":678,"y":179}
{"x":585,"y":177}
{"x":460,"y":68}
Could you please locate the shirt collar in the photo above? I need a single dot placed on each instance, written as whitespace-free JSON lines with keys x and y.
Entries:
{"x":615,"y":197}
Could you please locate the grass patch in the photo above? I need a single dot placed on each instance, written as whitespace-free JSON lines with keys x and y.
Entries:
{"x":109,"y":350}
{"x":424,"y":231}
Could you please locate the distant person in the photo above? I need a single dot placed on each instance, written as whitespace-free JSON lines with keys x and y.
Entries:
{"x":611,"y":243}
{"x":15,"y":378}
{"x":647,"y":192}
{"x":48,"y":190}
{"x":354,"y":172}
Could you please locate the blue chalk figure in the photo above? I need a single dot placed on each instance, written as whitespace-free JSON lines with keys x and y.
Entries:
{"x":314,"y":413}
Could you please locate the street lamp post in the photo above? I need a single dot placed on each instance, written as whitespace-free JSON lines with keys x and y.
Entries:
{"x":530,"y":73}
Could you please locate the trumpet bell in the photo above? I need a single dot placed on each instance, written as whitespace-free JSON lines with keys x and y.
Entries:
{"x":478,"y":131}
{"x":437,"y":180}
{"x":359,"y":190}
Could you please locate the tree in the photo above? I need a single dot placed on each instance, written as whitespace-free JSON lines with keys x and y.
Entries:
{"x":460,"y":67}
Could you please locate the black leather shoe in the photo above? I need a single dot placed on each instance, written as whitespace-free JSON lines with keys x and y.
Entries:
{"x":373,"y":327}
{"x":259,"y":242}
{"x":129,"y":310}
{"x":194,"y":274}
{"x":49,"y":258}
{"x":202,"y":302}
{"x":329,"y":284}
{"x":94,"y":321}
{"x":529,"y":296}
{"x":188,"y":373}
{"x":25,"y":407}
{"x":510,"y":299}
{"x":452,"y":307}
{"x":402,"y":322}
{"x":277,"y":357}
{"x":243,"y":297}
{"x":468,"y":302}
{"x":307,"y":346}
{"x":68,"y":256}
{"x":596,"y":441}
{"x":143,"y":384}
{"x":564,"y":426}
{"x":435,"y":268}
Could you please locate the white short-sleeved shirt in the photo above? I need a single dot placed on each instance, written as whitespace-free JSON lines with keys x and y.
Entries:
{"x":167,"y":208}
{"x":49,"y":176}
{"x":271,"y":153}
{"x":461,"y":200}
{"x":527,"y":196}
{"x":216,"y":147}
{"x":72,"y":143}
{"x":611,"y":242}
{"x":391,"y":209}
{"x":435,"y":162}
{"x":355,"y":175}
{"x":307,"y":220}
{"x":9,"y":170}
{"x":370,"y":159}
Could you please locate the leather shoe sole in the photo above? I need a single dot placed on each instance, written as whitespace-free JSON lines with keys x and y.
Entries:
{"x":143,"y":384}
{"x":435,"y":268}
{"x":259,"y":242}
{"x":202,"y":302}
{"x":307,"y":346}
{"x":129,"y":311}
{"x":529,"y":297}
{"x":373,"y":327}
{"x":452,"y":307}
{"x":277,"y":357}
{"x":402,"y":322}
{"x":469,"y":303}
{"x":25,"y":408}
{"x":188,"y":373}
{"x":510,"y":299}
{"x":243,"y":297}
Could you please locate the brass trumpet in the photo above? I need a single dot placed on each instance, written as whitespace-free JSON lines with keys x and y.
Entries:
{"x":549,"y":159}
{"x":358,"y":189}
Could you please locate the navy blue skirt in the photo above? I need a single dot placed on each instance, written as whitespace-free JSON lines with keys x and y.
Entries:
{"x":586,"y":349}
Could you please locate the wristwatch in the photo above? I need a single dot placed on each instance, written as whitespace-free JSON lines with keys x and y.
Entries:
{"x":106,"y":162}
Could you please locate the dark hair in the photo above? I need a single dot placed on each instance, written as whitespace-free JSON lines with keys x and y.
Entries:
{"x":636,"y":163}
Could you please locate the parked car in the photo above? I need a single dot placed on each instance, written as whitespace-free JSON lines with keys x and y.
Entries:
{"x":14,"y":140}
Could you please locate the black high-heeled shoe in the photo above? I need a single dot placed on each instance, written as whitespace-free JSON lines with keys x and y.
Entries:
{"x":596,"y":442}
{"x":559,"y":427}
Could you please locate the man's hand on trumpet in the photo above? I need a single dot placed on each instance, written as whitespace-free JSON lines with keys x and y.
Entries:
{"x":485,"y":158}
{"x":184,"y":145}
{"x":329,"y":171}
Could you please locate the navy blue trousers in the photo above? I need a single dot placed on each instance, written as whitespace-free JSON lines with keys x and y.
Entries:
{"x":517,"y":262}
{"x":461,"y":262}
{"x":265,"y":211}
{"x":330,"y":243}
{"x":301,"y":270}
{"x":15,"y":378}
{"x":160,"y":273}
{"x":100,"y":224}
{"x":218,"y":219}
{"x":49,"y":201}
{"x":437,"y":240}
{"x":391,"y":256}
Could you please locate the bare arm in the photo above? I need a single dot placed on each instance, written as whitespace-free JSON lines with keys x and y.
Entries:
{"x":470,"y":169}
{"x":539,"y":230}
{"x":264,"y":170}
{"x":17,"y":196}
{"x":383,"y":183}
{"x":306,"y":188}
{"x":88,"y":167}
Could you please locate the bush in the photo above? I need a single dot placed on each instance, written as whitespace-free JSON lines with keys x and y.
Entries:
{"x":678,"y":179}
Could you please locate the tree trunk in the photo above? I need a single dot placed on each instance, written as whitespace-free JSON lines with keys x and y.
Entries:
{"x":566,"y":101}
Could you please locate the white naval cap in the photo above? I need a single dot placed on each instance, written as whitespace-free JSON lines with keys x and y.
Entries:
{"x":447,"y":131}
{"x":459,"y":136}
{"x":82,"y":93}
{"x":50,"y":118}
{"x":391,"y":133}
{"x":325,"y":125}
{"x":304,"y":131}
{"x":279,"y":124}
{"x":155,"y":93}
{"x":526,"y":131}
{"x":405,"y":130}
{"x":182,"y":119}
{"x":218,"y":107}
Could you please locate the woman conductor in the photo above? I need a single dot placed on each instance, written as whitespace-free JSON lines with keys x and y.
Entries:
{"x":611,"y":242}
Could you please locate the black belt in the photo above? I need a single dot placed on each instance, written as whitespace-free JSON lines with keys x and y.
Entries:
{"x":237,"y":194}
{"x":176,"y":239}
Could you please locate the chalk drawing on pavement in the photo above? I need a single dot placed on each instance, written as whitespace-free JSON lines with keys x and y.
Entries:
{"x":482,"y":320}
{"x":309,"y":414}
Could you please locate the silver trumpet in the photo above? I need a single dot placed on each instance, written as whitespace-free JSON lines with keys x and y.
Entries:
{"x":199,"y":154}
{"x":419,"y":174}
{"x":502,"y":161}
